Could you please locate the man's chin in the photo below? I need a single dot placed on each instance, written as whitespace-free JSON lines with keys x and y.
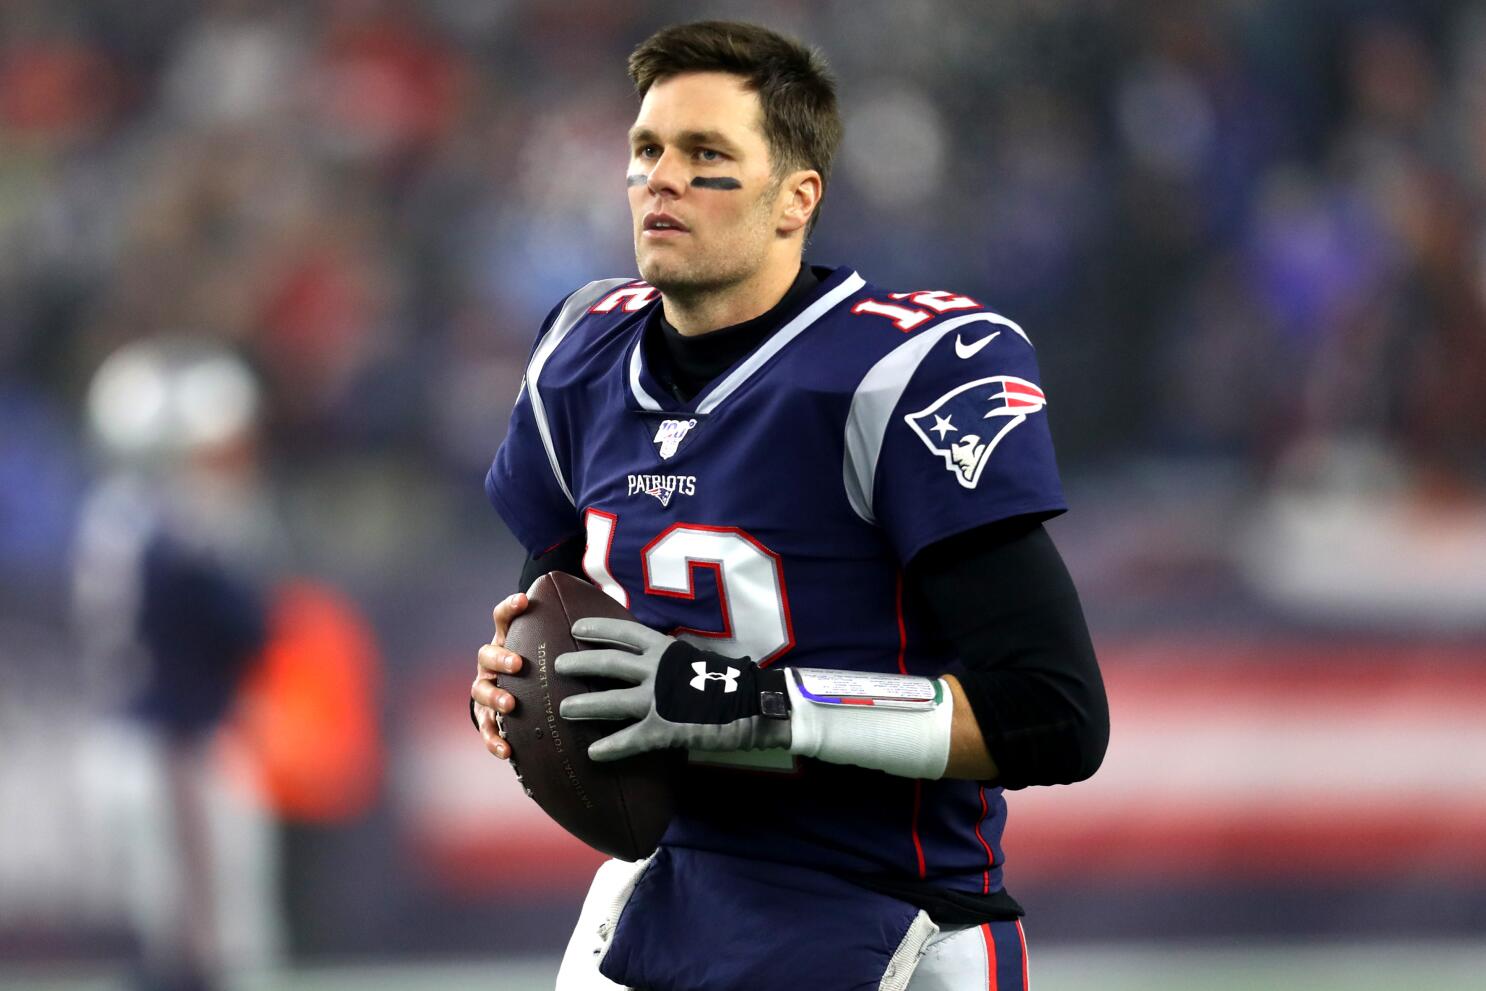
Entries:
{"x":667,"y":276}
{"x":681,"y":278}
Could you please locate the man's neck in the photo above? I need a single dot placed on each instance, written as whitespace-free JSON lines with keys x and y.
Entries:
{"x":703,"y":313}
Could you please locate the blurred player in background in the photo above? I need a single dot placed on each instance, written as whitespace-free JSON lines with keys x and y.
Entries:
{"x":175,"y":555}
{"x":828,"y":497}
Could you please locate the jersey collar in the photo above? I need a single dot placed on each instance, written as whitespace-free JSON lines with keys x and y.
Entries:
{"x":646,"y":393}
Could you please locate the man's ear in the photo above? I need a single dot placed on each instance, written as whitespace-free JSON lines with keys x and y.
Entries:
{"x":800,"y":192}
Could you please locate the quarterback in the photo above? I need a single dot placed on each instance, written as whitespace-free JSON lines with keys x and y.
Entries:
{"x":822,"y":499}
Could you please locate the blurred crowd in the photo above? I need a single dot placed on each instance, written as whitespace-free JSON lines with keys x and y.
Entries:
{"x":1247,"y":231}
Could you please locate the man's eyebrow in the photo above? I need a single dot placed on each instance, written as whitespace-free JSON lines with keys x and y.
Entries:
{"x":713,"y":139}
{"x":710,"y":138}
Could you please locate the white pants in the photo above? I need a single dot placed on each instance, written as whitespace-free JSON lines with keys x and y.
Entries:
{"x":187,"y":857}
{"x":959,"y":958}
{"x":965,"y":957}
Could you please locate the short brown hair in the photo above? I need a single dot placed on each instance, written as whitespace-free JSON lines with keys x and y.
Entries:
{"x":794,"y":85}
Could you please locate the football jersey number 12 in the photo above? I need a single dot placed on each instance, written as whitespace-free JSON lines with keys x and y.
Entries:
{"x":749,"y":576}
{"x":750,"y":594}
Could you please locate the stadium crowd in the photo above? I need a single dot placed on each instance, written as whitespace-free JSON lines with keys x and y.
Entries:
{"x":1247,"y":230}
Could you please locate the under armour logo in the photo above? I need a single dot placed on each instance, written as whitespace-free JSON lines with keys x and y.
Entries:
{"x":704,"y":676}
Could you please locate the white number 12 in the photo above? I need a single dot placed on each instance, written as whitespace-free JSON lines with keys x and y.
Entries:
{"x":750,"y":582}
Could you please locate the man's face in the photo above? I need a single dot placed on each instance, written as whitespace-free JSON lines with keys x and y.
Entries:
{"x":701,"y":193}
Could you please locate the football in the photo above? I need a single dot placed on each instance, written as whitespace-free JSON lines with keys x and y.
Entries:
{"x":619,"y":808}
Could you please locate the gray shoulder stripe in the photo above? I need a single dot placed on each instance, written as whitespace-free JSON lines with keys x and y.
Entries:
{"x":572,"y":311}
{"x":776,"y":341}
{"x":877,"y":396}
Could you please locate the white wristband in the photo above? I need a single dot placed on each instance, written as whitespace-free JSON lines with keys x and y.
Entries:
{"x":889,"y":722}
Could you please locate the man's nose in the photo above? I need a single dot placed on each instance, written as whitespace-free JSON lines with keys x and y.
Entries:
{"x":668,"y":176}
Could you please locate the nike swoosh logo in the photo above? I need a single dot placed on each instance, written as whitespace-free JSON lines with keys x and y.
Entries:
{"x":967,"y":351}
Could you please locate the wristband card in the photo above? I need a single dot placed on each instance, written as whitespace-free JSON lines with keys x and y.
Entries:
{"x":888,"y":691}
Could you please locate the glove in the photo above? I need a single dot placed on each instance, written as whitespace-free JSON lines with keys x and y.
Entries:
{"x":683,"y":696}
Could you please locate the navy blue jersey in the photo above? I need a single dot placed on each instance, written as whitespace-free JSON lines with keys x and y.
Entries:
{"x":770,"y":517}
{"x":169,"y":587}
{"x":201,"y":625}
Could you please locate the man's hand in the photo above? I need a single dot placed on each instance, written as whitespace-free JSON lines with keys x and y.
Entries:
{"x":491,"y":701}
{"x":682,"y":696}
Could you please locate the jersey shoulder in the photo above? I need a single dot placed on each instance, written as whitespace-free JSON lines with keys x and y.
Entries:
{"x":877,"y":334}
{"x":598,"y":306}
{"x":589,"y":318}
{"x":935,"y":369}
{"x":889,"y":318}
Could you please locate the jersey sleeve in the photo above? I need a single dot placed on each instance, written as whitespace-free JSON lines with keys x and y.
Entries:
{"x":524,"y":483}
{"x":956,"y":418}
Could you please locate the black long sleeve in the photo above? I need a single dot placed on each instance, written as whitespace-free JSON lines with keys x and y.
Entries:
{"x":1003,"y":597}
{"x":566,"y":556}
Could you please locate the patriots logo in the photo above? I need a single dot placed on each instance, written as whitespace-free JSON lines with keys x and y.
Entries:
{"x":663,"y":487}
{"x":964,"y":426}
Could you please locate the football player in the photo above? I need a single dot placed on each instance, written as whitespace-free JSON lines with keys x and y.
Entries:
{"x":174,"y":556}
{"x":823,"y":501}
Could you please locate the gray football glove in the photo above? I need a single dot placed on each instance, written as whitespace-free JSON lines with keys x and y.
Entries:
{"x":682,"y":696}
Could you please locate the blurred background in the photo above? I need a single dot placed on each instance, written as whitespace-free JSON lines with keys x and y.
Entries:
{"x":1248,"y":237}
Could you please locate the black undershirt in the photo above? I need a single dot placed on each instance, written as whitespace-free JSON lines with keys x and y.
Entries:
{"x":1000,"y":595}
{"x":685,"y":364}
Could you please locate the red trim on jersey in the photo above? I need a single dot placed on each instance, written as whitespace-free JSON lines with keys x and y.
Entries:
{"x":556,"y":545}
{"x":904,"y":318}
{"x":789,"y":623}
{"x":1022,"y":936}
{"x":918,"y":847}
{"x":990,"y":941}
{"x":985,"y":887}
{"x":608,"y":549}
{"x":726,"y":633}
{"x":633,"y":296}
{"x":902,"y":628}
{"x":716,"y":566}
{"x":938,"y":300}
{"x":918,"y":786}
